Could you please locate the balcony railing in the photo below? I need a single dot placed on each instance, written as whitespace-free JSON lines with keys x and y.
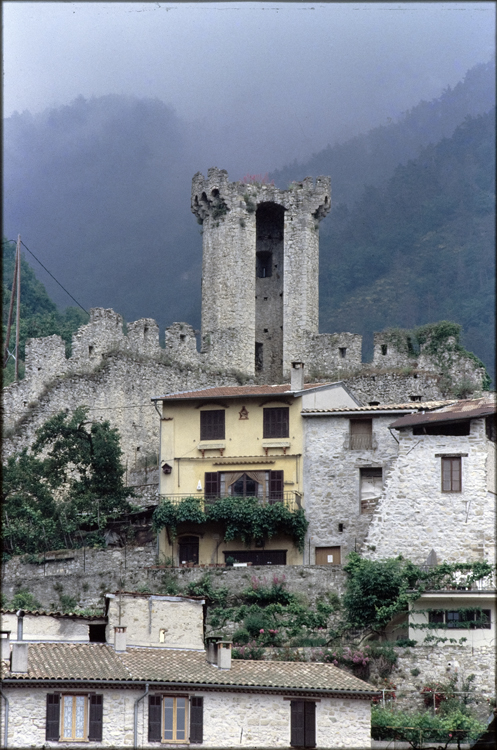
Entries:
{"x":291,"y":500}
{"x":360,"y":442}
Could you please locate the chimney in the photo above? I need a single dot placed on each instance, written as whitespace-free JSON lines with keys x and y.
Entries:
{"x":20,"y":615}
{"x":5,"y":654}
{"x":212,"y":649}
{"x":19,"y":662}
{"x":120,"y":638}
{"x":224,"y":654}
{"x":297,"y":376}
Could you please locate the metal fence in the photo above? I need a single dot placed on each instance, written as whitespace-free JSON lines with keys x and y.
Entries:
{"x":291,"y":500}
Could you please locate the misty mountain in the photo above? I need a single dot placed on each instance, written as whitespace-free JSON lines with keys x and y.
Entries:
{"x":100,"y":192}
{"x":421,"y":247}
{"x":370,"y":158}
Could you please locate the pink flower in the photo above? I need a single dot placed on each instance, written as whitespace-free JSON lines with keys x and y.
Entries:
{"x":261,"y":630}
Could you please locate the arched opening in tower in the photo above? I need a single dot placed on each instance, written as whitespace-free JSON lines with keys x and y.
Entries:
{"x":269,"y":292}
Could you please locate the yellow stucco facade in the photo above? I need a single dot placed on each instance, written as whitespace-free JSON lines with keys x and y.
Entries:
{"x":243,"y":451}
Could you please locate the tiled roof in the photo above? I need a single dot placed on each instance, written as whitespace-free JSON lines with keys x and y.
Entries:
{"x":237,"y":391}
{"x":52,"y":613}
{"x":456,"y":411}
{"x":53,"y":661}
{"x":408,"y":406}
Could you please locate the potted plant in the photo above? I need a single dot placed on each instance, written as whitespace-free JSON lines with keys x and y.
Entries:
{"x":229,"y":561}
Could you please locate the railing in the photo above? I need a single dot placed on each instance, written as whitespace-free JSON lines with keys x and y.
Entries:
{"x":360,"y":442}
{"x":291,"y":500}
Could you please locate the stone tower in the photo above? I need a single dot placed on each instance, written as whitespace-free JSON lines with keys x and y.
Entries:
{"x":260,"y":271}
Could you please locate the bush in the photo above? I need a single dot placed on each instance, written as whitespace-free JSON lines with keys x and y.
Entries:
{"x":420,"y":727}
{"x":24,"y":600}
{"x":241,"y":637}
{"x":251,"y":651}
{"x":255,"y":622}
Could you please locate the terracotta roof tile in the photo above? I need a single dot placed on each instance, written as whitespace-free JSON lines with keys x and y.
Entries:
{"x":409,"y":405}
{"x":92,"y":661}
{"x":236,"y":391}
{"x":456,"y":411}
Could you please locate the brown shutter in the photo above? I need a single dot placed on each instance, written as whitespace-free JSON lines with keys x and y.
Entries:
{"x":212,"y":425}
{"x":211,"y":484}
{"x":309,"y":724}
{"x":96,"y":718}
{"x":276,"y":485}
{"x":197,"y":720}
{"x":53,"y":718}
{"x":276,"y":422}
{"x":451,"y":474}
{"x":154,"y":718}
{"x":446,"y":475}
{"x":456,"y":474}
{"x":297,"y":736}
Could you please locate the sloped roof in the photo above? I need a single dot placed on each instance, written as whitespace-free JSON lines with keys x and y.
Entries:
{"x":457,"y":411}
{"x":408,"y":406}
{"x":52,"y":613}
{"x":99,"y":662}
{"x":239,"y":391}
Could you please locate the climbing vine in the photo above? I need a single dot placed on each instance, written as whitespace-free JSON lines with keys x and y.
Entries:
{"x":243,"y":518}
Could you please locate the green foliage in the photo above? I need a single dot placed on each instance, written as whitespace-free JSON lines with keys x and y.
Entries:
{"x":251,"y":651}
{"x":205,"y":588}
{"x":377,"y":590}
{"x":66,"y":487}
{"x":24,"y":599}
{"x":420,"y":727}
{"x":38,"y":314}
{"x":262,"y":594}
{"x":242,"y":518}
{"x":241,"y":637}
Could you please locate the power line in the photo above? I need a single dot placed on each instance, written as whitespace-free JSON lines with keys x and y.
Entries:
{"x":53,"y":277}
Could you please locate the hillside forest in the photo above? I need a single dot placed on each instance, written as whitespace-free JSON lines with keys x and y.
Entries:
{"x":100,"y":191}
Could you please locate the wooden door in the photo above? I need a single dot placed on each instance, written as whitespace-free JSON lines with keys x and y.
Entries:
{"x":328,"y":556}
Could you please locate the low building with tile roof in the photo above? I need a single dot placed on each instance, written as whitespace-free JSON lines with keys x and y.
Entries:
{"x":118,"y":694}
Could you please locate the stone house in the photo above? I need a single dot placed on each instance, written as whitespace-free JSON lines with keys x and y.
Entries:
{"x":129,"y":693}
{"x":242,"y":441}
{"x":349,"y":454}
{"x":440,"y":492}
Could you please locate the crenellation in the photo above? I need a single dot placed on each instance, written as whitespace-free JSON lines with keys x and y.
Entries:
{"x":181,"y":344}
{"x":143,"y":337}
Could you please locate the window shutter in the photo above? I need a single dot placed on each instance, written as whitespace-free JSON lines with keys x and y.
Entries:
{"x":456,"y":474}
{"x":53,"y":718}
{"x":197,"y":720}
{"x":276,"y":422}
{"x":154,"y":718}
{"x":310,"y":724}
{"x":446,"y":475}
{"x":212,"y":425}
{"x":276,"y":485}
{"x":297,"y":724}
{"x":96,"y":718}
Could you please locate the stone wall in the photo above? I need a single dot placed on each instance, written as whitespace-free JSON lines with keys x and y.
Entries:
{"x":90,"y":573}
{"x":414,"y":516}
{"x":230,"y":720}
{"x":332,"y":481}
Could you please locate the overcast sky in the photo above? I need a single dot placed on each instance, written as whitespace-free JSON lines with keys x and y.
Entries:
{"x":278,"y":80}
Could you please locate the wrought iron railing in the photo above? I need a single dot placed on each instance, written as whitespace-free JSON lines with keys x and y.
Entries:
{"x":291,"y":500}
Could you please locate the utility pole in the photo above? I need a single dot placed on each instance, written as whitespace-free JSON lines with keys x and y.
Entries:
{"x":18,"y":310}
{"x":11,"y":308}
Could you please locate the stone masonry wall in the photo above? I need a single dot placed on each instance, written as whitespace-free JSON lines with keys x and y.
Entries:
{"x":332,"y":480}
{"x":241,"y":720}
{"x":414,"y":516}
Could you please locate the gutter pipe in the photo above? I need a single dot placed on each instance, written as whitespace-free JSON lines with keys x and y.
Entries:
{"x":135,"y":723}
{"x":5,"y":743}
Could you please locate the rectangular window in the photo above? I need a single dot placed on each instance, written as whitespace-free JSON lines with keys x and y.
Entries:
{"x":168,"y":719}
{"x":211,"y":484}
{"x":361,"y":434}
{"x":212,"y":425}
{"x":451,"y":474}
{"x":371,"y":488}
{"x":74,"y":717}
{"x":276,"y":422}
{"x":303,"y":724}
{"x":437,"y":616}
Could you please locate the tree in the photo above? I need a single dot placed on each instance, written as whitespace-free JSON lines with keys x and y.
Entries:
{"x":66,"y":487}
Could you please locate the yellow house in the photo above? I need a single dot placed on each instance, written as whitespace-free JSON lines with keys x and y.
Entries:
{"x":228,"y":442}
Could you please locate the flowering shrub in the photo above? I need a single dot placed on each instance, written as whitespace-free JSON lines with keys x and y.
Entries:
{"x":257,"y":179}
{"x":250,"y":651}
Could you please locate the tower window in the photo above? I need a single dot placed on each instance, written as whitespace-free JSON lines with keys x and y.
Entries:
{"x":258,"y":357}
{"x":342,"y":351}
{"x":264,"y":264}
{"x":384,"y":349}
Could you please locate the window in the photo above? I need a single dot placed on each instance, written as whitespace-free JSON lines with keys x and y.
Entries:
{"x":462,"y":618}
{"x":211,"y":484}
{"x":188,"y":549}
{"x":343,"y":351}
{"x":275,"y":486}
{"x":245,"y":486}
{"x":212,"y":425}
{"x":264,"y":264}
{"x":258,"y":557}
{"x":361,"y":434}
{"x":168,"y":719}
{"x":303,"y":724}
{"x":276,"y":422}
{"x":259,"y":357}
{"x":371,"y":487}
{"x":74,"y":717}
{"x":451,"y":474}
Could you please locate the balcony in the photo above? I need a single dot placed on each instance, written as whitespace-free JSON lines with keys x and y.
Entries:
{"x":291,"y":500}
